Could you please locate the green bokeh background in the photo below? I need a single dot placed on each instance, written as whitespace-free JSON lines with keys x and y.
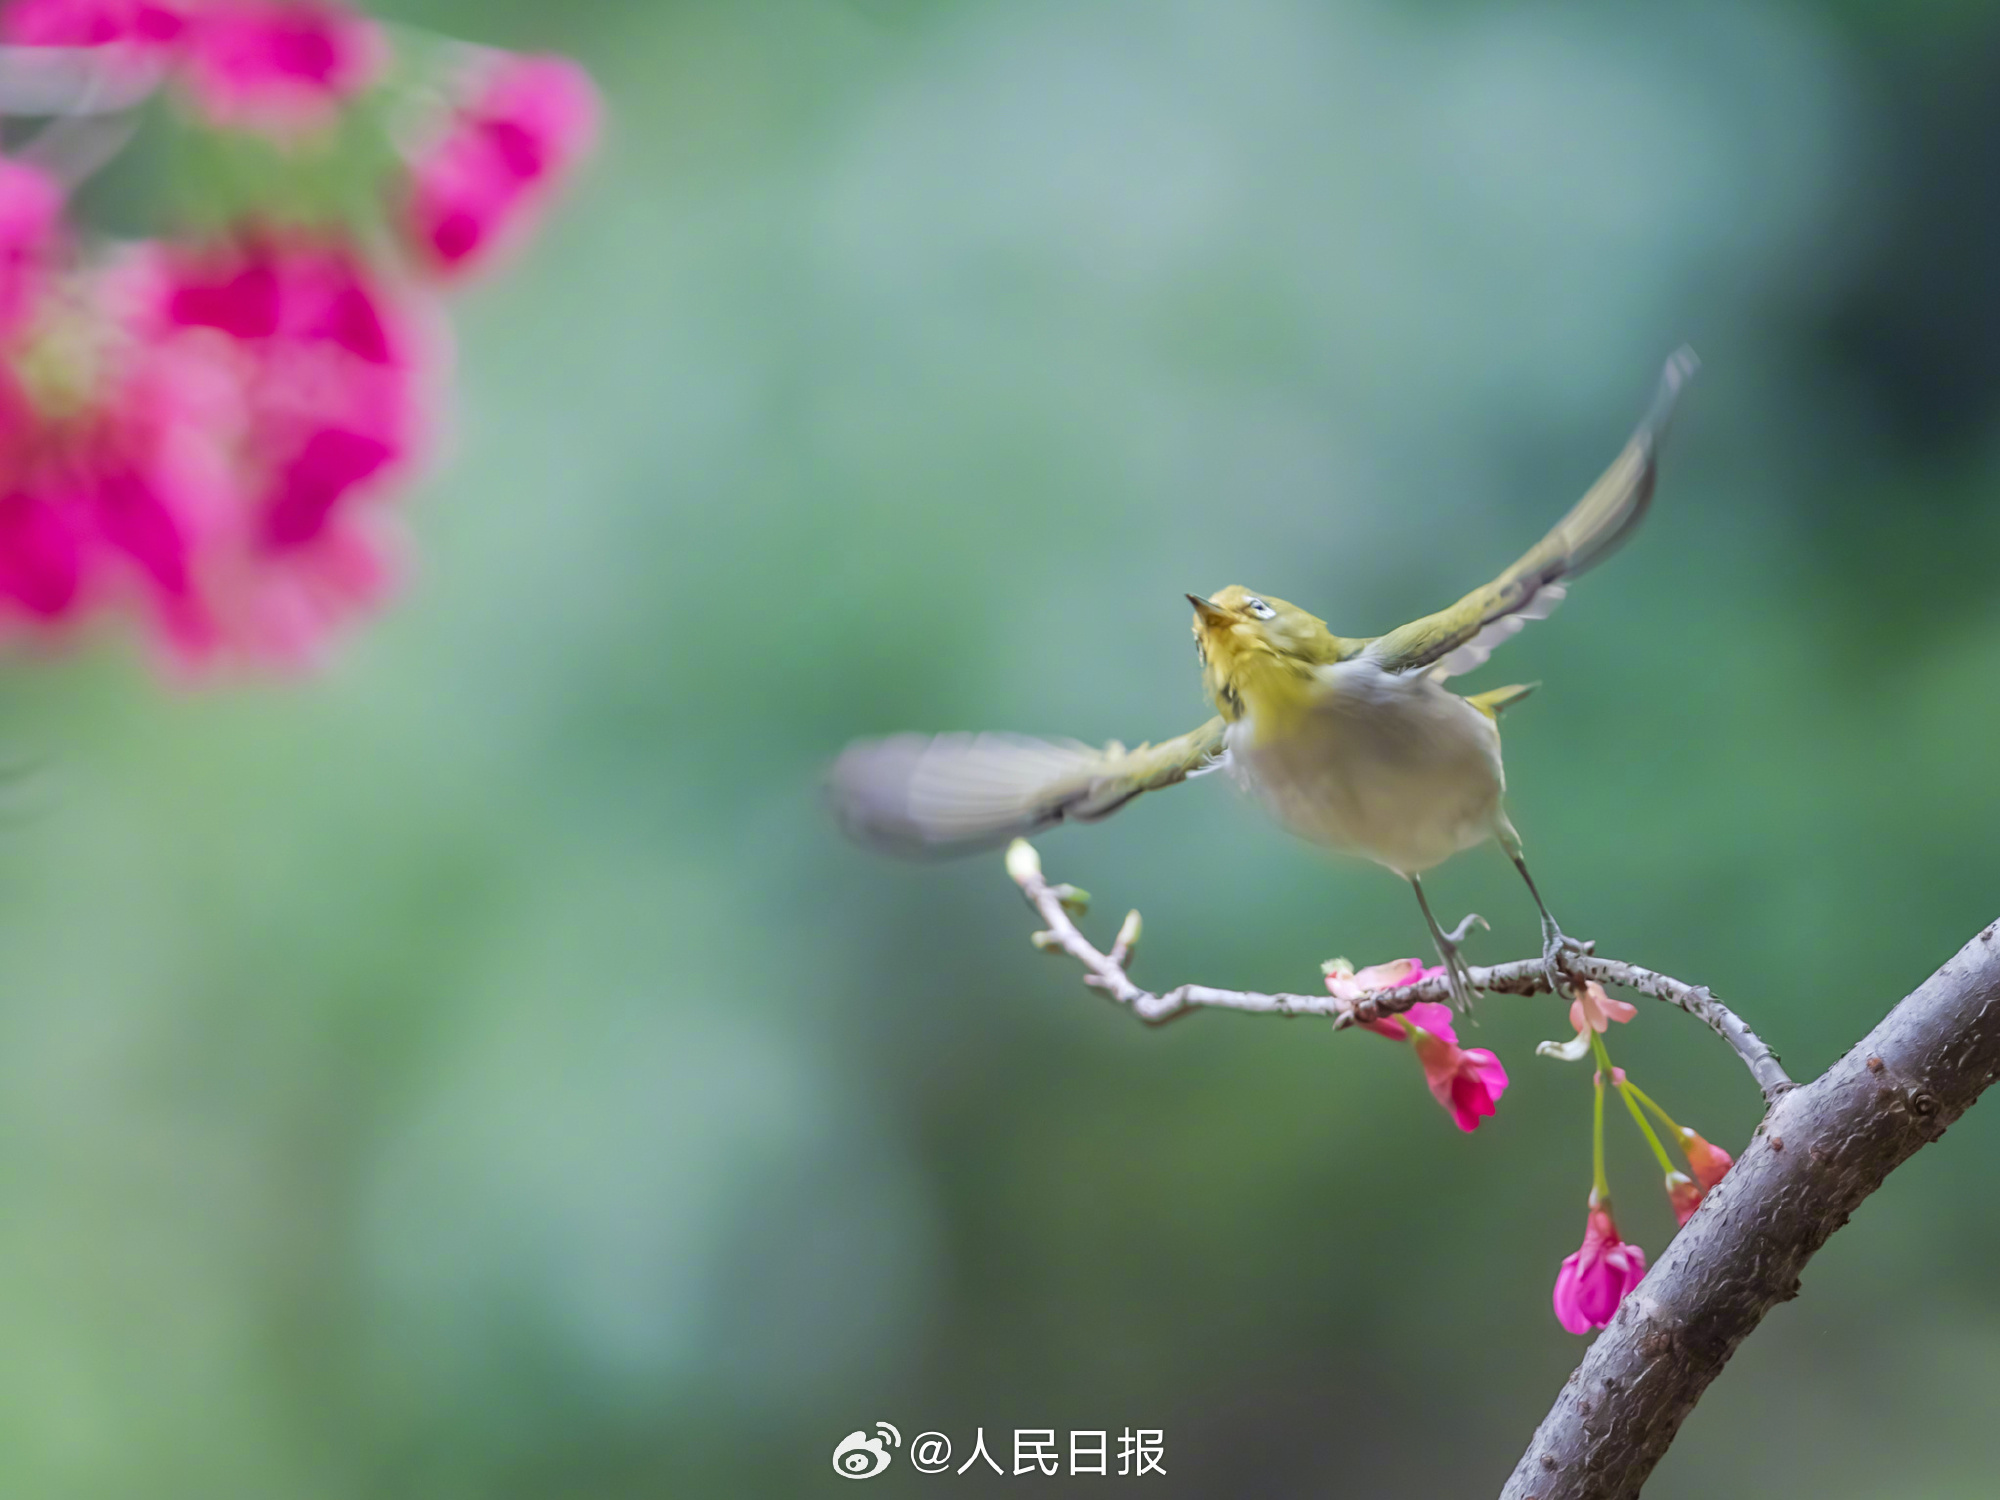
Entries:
{"x":482,"y":1072}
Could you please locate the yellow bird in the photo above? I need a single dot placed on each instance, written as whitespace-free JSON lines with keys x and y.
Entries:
{"x":1353,"y":742}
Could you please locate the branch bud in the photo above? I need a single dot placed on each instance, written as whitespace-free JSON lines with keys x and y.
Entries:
{"x":1023,"y":864}
{"x":1073,"y":900}
{"x":1128,"y":934}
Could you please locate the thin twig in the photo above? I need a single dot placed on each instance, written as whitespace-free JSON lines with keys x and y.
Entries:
{"x":1106,"y":972}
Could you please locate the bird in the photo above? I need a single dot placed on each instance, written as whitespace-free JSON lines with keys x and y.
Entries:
{"x":1354,"y":743}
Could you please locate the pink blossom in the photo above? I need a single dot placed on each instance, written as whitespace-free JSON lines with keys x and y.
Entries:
{"x":278,"y":67}
{"x":1344,"y":983}
{"x":90,"y":23}
{"x":233,"y":290}
{"x":314,"y":375}
{"x":478,"y":185}
{"x":1707,"y":1162}
{"x":1595,"y":1009}
{"x":84,"y":516}
{"x":1467,"y":1081}
{"x":1595,"y":1277}
{"x":42,"y":551}
{"x":30,"y":225}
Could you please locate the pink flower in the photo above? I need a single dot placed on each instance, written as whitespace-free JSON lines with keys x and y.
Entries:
{"x":1591,"y":1010}
{"x":1595,"y":1009}
{"x":277,"y":67}
{"x":1684,"y":1196}
{"x":42,"y":550}
{"x":308,"y":375}
{"x":498,"y":160}
{"x":89,"y":23}
{"x":30,"y":225}
{"x":1343,"y":983}
{"x":1707,"y":1162}
{"x":84,"y":515}
{"x":1595,"y":1277}
{"x":1467,"y":1081}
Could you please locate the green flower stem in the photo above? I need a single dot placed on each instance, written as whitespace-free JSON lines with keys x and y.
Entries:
{"x":1600,"y":1185}
{"x":1625,"y":1092}
{"x":1665,"y":1119}
{"x":1659,"y":1151}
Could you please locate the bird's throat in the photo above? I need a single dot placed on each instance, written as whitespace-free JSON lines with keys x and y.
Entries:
{"x":1270,"y":689}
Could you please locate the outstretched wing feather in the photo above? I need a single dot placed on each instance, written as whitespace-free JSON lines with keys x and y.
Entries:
{"x":958,"y":793}
{"x":1460,"y":638}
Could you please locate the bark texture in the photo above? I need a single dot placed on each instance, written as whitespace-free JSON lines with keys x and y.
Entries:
{"x":1822,"y":1148}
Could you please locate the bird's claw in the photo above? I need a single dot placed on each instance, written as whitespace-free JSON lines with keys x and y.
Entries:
{"x":1457,"y":974}
{"x":1555,"y":945}
{"x":1457,"y":934}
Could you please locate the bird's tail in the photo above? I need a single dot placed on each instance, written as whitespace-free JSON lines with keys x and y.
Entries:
{"x":1495,"y":701}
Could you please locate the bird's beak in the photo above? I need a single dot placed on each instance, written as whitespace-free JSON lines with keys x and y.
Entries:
{"x":1206,"y":612}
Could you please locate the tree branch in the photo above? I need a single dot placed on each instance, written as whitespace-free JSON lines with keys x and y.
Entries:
{"x":1821,"y":1150}
{"x":1106,"y":972}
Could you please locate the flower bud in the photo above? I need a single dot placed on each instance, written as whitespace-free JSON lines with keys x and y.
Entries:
{"x":1023,"y":863}
{"x":1707,"y":1162}
{"x":1684,"y":1194}
{"x":1595,"y":1278}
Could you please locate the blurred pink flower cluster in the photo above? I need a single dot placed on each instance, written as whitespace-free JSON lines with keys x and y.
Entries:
{"x":204,"y":434}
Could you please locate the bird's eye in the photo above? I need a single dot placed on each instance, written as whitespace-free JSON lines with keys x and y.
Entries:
{"x":1260,"y":609}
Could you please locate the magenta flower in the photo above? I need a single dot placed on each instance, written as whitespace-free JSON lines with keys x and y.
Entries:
{"x":1467,"y":1081}
{"x":90,"y":23}
{"x":43,"y":544}
{"x":205,"y":435}
{"x":30,"y":228}
{"x":476,"y":188}
{"x":277,"y":67}
{"x":319,"y":375}
{"x":1596,"y":1276}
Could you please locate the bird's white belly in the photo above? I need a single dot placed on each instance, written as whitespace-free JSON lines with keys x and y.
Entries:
{"x":1397,"y":769}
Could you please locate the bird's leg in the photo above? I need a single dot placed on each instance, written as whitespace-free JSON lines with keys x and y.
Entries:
{"x":1456,"y":974}
{"x":1555,"y":942}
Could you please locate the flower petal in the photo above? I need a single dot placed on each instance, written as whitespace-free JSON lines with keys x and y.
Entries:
{"x":1573,"y":1050}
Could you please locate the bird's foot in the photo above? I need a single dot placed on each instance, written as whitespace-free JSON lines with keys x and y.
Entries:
{"x":1555,"y":944}
{"x":1465,"y":925}
{"x":1456,"y":972}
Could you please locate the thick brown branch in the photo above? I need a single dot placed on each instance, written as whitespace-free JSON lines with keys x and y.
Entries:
{"x":1107,"y":972}
{"x":1821,"y":1150}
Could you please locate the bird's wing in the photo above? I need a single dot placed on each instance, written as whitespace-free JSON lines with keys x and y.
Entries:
{"x":958,"y":793}
{"x":1458,"y":639}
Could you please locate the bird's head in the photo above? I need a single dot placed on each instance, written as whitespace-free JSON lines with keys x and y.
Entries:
{"x":1253,"y":645}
